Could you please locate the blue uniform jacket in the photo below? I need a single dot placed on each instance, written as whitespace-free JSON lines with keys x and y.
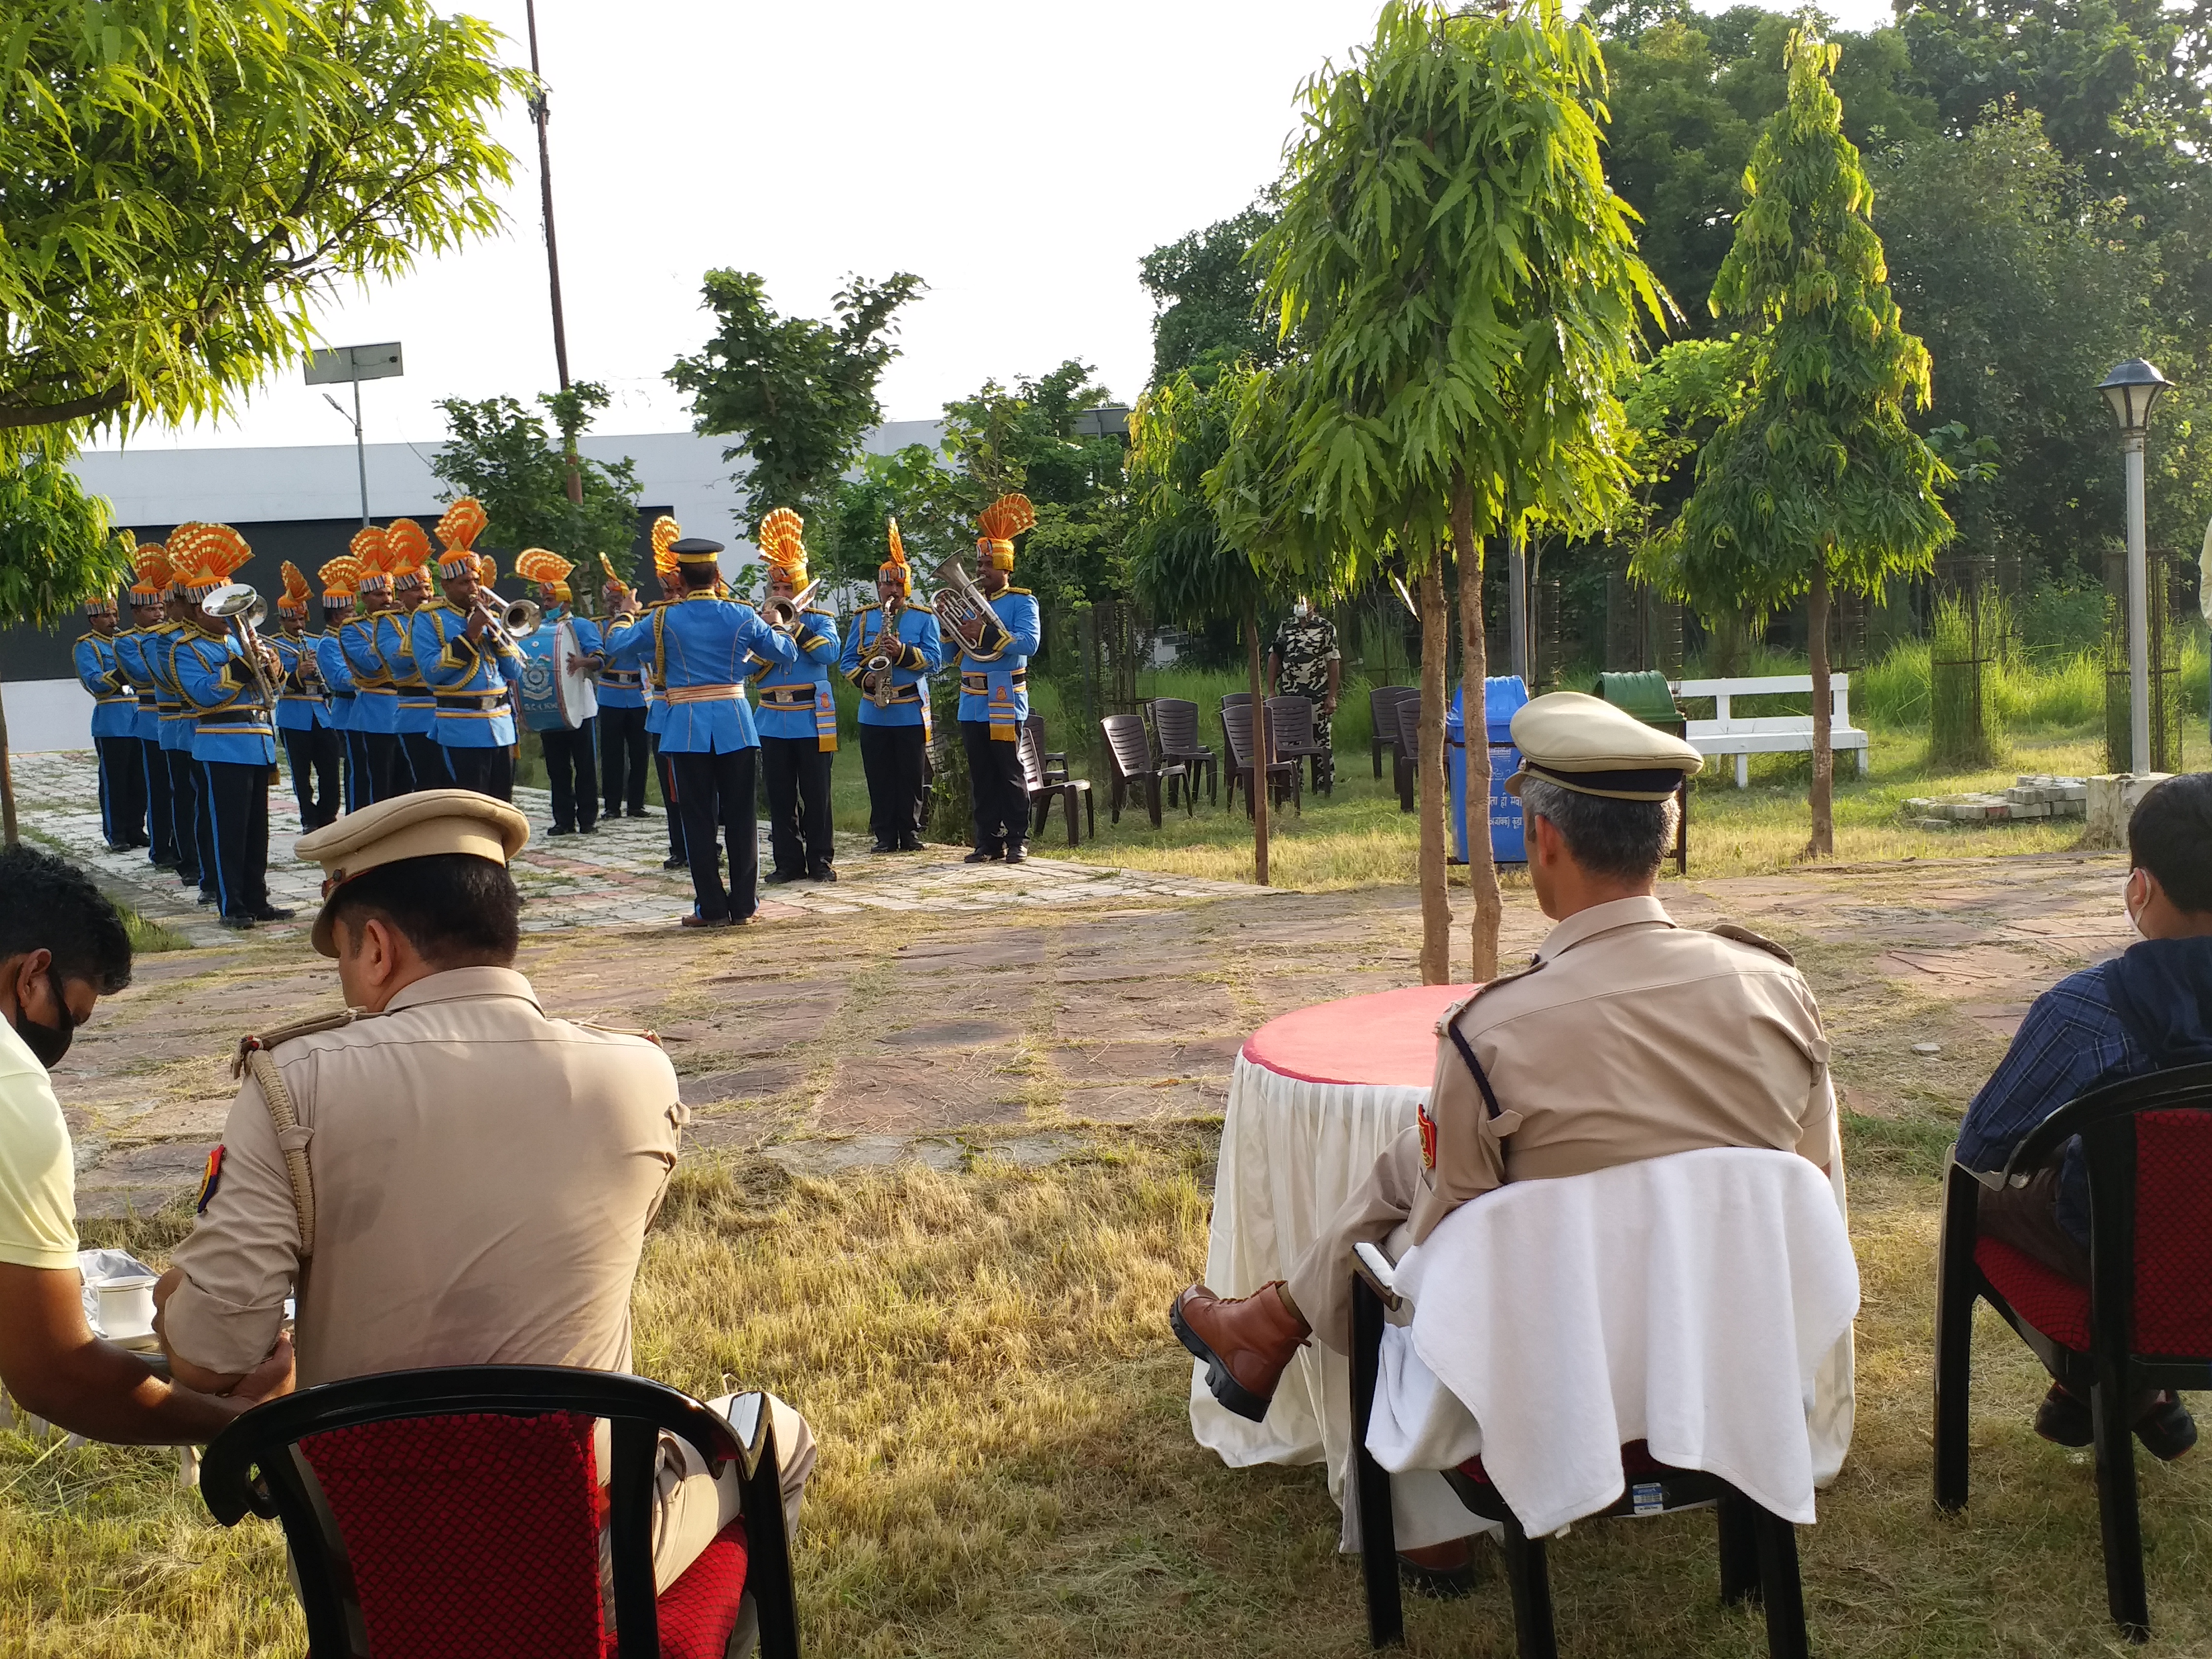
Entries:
{"x":114,"y":704}
{"x":297,"y":710}
{"x":375,"y":704}
{"x":234,"y":724}
{"x":701,"y":644}
{"x":395,"y":648}
{"x":921,"y":655}
{"x":539,"y":712}
{"x":146,"y":716}
{"x":177,"y":717}
{"x":795,"y":700}
{"x":338,"y":674}
{"x":997,"y":690}
{"x":469,"y":678}
{"x":617,"y":688}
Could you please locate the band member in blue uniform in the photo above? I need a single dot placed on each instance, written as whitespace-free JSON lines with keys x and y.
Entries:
{"x":893,"y":649}
{"x":624,"y":754}
{"x":656,"y":701}
{"x":338,"y":578}
{"x":994,"y":698}
{"x":187,"y":804}
{"x":701,"y":646}
{"x":569,"y":773}
{"x":303,"y":718}
{"x":114,"y":729}
{"x":798,"y":717}
{"x":469,"y":662}
{"x":233,"y":742}
{"x":422,"y":757}
{"x":376,"y":703}
{"x":147,"y":597}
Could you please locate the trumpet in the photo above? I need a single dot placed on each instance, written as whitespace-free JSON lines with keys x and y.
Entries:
{"x":879,"y":663}
{"x":237,"y":603}
{"x":960,"y":604}
{"x":518,"y":620}
{"x":782,"y":615}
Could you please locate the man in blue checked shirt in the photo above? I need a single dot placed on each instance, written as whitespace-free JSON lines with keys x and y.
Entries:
{"x":2147,"y":1010}
{"x":700,"y":647}
{"x":114,"y":729}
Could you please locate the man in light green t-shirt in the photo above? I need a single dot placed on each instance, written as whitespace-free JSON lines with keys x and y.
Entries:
{"x":61,"y":948}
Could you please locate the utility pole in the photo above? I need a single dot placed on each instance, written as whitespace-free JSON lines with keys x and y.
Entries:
{"x":539,"y":113}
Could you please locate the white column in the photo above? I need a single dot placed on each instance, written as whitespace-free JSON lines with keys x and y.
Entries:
{"x":2138,"y":615}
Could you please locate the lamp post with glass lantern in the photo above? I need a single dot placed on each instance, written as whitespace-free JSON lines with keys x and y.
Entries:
{"x":2131,"y":389}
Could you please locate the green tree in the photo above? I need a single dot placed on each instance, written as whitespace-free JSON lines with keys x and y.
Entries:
{"x":1816,"y":483}
{"x":1207,"y":299}
{"x":56,"y":552}
{"x":180,"y":179}
{"x":1467,"y":289}
{"x":934,"y":507}
{"x":799,"y":394}
{"x":503,"y":454}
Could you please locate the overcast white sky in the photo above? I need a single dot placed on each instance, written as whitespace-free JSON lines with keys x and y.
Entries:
{"x":1019,"y":155}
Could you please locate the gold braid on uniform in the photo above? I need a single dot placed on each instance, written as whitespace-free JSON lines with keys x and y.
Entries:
{"x":254,"y":1057}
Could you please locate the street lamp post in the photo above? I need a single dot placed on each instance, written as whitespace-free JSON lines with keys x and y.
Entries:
{"x":2131,"y":389}
{"x":352,"y":365}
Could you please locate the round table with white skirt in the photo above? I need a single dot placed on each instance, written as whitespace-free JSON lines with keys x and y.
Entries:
{"x":1315,"y":1096}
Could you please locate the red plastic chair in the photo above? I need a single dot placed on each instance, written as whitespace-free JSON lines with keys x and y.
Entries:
{"x":456,"y":1512}
{"x":2143,"y":1321}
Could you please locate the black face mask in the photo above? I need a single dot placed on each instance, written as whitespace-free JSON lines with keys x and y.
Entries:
{"x":48,"y":1043}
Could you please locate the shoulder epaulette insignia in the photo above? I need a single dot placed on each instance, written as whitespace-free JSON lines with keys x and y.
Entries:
{"x":652,"y":1036}
{"x":1480,"y":991}
{"x":1757,"y":941}
{"x":1019,"y":590}
{"x":283,"y":1034}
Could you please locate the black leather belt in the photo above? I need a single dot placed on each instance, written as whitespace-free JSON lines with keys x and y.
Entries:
{"x":787,"y":699}
{"x":979,"y":684}
{"x":472,"y":702}
{"x":626,"y":679}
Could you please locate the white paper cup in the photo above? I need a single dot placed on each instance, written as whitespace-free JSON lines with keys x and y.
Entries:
{"x":126,"y":1307}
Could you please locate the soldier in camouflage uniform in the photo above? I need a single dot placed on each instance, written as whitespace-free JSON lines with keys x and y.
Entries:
{"x":1305,"y":662}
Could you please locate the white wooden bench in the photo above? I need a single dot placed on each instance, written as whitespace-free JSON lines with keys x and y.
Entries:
{"x":1746,"y":735}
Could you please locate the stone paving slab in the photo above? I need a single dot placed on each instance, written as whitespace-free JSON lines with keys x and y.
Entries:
{"x":610,"y":879}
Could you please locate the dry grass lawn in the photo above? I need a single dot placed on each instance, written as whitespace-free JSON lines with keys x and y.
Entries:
{"x":1007,"y":1469}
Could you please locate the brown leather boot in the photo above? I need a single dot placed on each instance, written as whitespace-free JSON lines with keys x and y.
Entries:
{"x":1245,"y":1344}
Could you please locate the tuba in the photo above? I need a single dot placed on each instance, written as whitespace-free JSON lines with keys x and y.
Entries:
{"x":237,"y":603}
{"x":960,"y":604}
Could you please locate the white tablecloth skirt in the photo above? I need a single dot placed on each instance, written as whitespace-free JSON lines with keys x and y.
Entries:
{"x":1291,"y":1152}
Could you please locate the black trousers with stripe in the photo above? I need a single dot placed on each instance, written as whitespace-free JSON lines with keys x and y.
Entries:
{"x":570,"y":775}
{"x":489,"y":771}
{"x":623,"y":755}
{"x":891,"y":757}
{"x":122,"y":791}
{"x":996,"y":785}
{"x":388,"y":771}
{"x":312,"y":755}
{"x":427,"y":765}
{"x":238,"y":810}
{"x":184,"y":815}
{"x":797,"y":771}
{"x":717,"y":795}
{"x":161,"y":828}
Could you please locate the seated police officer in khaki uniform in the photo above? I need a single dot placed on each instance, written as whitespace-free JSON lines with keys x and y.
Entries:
{"x":1628,"y":1037}
{"x":443,"y":1176}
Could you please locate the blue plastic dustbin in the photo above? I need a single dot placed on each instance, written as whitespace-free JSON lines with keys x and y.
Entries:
{"x":1502,"y":697}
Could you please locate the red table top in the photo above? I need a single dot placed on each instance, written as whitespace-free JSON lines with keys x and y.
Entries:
{"x":1389,"y":1038}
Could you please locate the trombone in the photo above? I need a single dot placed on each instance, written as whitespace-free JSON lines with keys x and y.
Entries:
{"x":518,"y":620}
{"x":237,"y":603}
{"x":782,"y":615}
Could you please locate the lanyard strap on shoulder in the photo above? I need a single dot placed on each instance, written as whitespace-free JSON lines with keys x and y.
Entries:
{"x":1481,"y":1078}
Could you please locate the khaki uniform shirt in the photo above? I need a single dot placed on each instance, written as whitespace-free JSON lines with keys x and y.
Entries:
{"x":483,"y":1177}
{"x":1630,"y":1038}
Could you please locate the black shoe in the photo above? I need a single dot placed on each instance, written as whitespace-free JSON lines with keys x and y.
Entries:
{"x":2063,"y":1420}
{"x":777,"y":878}
{"x":671,"y":862}
{"x":590,"y":828}
{"x":909,"y":843}
{"x":884,"y":846}
{"x":634,"y":812}
{"x":825,"y":873}
{"x":981,"y":856}
{"x":560,"y":830}
{"x":1017,"y":856}
{"x":274,"y":913}
{"x":119,"y":845}
{"x":241,"y":923}
{"x":205,"y":898}
{"x":2167,"y":1430}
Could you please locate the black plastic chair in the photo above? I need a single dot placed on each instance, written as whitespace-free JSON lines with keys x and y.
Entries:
{"x":1175,"y":731}
{"x":1758,"y":1548}
{"x":1406,"y":764}
{"x":1383,"y":703}
{"x":1291,"y":729}
{"x":257,"y":1466}
{"x":1054,"y":761}
{"x":1135,"y":771}
{"x":1286,"y":779}
{"x":1044,"y":790}
{"x":2143,"y":1321}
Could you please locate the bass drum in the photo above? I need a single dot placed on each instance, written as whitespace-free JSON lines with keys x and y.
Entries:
{"x":573,"y":690}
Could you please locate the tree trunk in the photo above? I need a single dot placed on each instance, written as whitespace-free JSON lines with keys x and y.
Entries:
{"x":1435,"y":798}
{"x":952,"y":807}
{"x":1260,"y":748}
{"x":1823,"y":844}
{"x":8,"y":836}
{"x":1474,"y":673}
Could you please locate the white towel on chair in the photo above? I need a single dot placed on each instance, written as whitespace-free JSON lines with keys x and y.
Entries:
{"x":1691,"y":1302}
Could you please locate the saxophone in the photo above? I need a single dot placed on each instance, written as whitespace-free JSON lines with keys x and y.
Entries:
{"x":880,"y":663}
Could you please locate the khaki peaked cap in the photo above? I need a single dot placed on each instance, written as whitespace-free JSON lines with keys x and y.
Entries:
{"x":1585,"y":743}
{"x":417,"y":826}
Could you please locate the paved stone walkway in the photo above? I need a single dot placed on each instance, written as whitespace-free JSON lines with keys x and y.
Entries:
{"x":612,"y":877}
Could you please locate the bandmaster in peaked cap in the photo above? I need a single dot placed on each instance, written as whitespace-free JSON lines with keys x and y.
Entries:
{"x":1584,"y":743}
{"x":417,"y":826}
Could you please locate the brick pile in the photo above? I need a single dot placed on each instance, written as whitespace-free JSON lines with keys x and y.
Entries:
{"x":2030,"y":797}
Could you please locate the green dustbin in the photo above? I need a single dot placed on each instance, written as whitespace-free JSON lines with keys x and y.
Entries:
{"x":1647,"y":696}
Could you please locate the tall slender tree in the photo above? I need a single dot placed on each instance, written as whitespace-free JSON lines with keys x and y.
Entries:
{"x":1465,"y":287}
{"x":1815,"y":484}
